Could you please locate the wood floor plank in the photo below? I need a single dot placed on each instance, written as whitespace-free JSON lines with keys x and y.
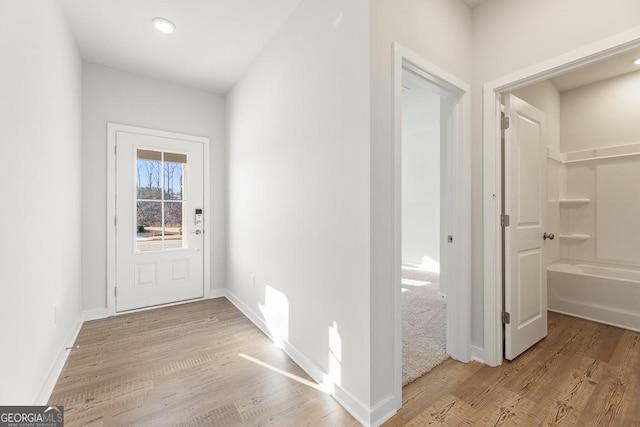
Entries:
{"x":507,"y":409}
{"x":564,"y":408}
{"x":205,"y":364}
{"x":423,"y":392}
{"x":582,"y":374}
{"x":448,"y":410}
{"x":603,"y":343}
{"x":183,"y":365}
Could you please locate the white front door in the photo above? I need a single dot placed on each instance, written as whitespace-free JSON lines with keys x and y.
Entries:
{"x":525,"y":197}
{"x":159,"y":220}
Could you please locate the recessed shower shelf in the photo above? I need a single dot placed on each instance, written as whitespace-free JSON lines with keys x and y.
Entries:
{"x":574,"y":237}
{"x":574,"y":202}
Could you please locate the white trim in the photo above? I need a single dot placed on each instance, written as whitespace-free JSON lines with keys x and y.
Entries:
{"x":492,"y":264}
{"x":352,"y":404}
{"x":95,"y":314}
{"x":58,"y":364}
{"x":477,"y":354}
{"x":112,"y":129}
{"x":383,"y":411}
{"x":457,"y":204}
{"x":217,"y":293}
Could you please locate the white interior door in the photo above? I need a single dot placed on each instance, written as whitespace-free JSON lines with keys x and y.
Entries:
{"x":526,"y":204}
{"x":159,"y":226}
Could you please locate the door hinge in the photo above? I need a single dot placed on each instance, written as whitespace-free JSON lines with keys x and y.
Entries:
{"x":504,"y":122}
{"x":115,"y":291}
{"x":506,"y":317}
{"x":115,"y":150}
{"x":504,"y":220}
{"x":115,"y":220}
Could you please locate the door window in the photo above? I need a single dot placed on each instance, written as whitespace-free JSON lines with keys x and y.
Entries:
{"x":160,"y":201}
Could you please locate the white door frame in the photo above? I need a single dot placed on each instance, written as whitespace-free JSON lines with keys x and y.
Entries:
{"x":492,"y":192}
{"x":457,"y":205}
{"x":112,"y":129}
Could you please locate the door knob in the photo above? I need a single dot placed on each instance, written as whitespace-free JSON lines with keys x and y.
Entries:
{"x":197,"y":232}
{"x":549,"y":236}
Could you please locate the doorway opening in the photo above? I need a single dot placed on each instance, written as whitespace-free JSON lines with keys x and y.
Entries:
{"x":590,"y":161}
{"x":577,"y":167}
{"x":423,"y":293}
{"x":432,"y":215}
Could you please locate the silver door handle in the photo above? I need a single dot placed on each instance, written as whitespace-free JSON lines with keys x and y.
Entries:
{"x":197,"y":232}
{"x":549,"y":236}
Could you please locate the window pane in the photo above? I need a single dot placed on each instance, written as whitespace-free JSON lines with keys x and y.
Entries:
{"x":149,"y":173}
{"x":149,"y":226}
{"x":174,"y":168}
{"x":173,"y":225}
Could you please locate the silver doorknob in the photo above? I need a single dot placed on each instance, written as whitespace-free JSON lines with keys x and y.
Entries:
{"x":549,"y":236}
{"x":197,"y":232}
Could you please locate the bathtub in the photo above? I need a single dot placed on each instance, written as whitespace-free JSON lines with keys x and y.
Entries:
{"x":599,"y":292}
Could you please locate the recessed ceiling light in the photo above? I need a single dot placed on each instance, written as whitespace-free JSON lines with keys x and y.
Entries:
{"x":637,"y":61}
{"x":163,"y":25}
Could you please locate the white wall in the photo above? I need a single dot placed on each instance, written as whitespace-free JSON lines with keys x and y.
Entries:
{"x":512,"y":35}
{"x":298,"y":135}
{"x":40,"y":118}
{"x":440,"y":32}
{"x":110,"y":95}
{"x":602,"y":114}
{"x":617,"y":229}
{"x":421,"y":178}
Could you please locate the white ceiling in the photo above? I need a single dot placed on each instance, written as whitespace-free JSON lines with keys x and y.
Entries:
{"x":613,"y":67}
{"x":214,"y":43}
{"x":217,"y":40}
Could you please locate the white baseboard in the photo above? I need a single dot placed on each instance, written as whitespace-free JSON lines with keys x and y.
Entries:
{"x":477,"y":354}
{"x":95,"y":314}
{"x":217,"y":293}
{"x":63,"y":354}
{"x":361,"y":412}
{"x":383,"y":411}
{"x":58,"y":364}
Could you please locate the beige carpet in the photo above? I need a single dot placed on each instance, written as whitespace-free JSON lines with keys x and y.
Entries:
{"x":423,"y":324}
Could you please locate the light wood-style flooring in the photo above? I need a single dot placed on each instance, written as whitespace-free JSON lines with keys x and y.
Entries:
{"x":193,"y":364}
{"x":182,"y":365}
{"x":582,"y":374}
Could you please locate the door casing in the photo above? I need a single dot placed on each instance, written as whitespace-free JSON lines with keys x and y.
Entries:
{"x":492,"y":353}
{"x":112,"y":129}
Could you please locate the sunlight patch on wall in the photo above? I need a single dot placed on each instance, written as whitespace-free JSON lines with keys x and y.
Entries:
{"x":275,"y":311}
{"x":335,"y":354}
